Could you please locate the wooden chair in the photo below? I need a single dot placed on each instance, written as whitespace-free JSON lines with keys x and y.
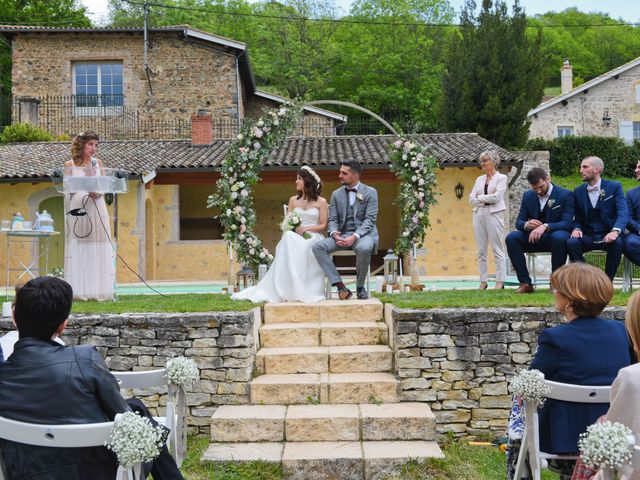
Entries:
{"x":345,"y":253}
{"x":530,"y":446}
{"x":176,"y":415}
{"x":65,"y":436}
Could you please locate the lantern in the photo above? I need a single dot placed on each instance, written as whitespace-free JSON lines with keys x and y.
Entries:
{"x":390,"y":268}
{"x":245,"y":277}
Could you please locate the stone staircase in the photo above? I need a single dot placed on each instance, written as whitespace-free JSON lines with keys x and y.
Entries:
{"x":325,"y":400}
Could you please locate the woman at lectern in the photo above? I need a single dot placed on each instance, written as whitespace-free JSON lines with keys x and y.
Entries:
{"x":89,"y":254}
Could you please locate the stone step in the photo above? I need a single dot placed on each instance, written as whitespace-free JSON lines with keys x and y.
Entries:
{"x":327,"y":311}
{"x":345,"y":422}
{"x":347,"y":359}
{"x":328,"y":460}
{"x":276,"y":335}
{"x":304,"y":388}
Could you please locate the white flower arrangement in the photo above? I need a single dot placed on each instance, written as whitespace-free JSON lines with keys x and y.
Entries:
{"x":529,"y":384}
{"x":416,"y":171}
{"x":239,"y":173}
{"x":182,"y":371}
{"x":292,"y":221}
{"x":606,"y":445}
{"x":134,"y":440}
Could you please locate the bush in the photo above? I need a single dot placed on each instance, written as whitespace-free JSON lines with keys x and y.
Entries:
{"x":24,"y":132}
{"x":566,"y":153}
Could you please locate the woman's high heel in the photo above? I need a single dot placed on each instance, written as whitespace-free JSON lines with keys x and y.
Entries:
{"x":483,"y":286}
{"x":499,"y":285}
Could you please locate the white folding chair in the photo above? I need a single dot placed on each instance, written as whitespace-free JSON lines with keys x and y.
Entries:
{"x":65,"y":436}
{"x":530,"y":446}
{"x":176,"y":416}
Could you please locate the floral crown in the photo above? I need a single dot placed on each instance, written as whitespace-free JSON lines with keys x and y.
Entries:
{"x":312,"y":173}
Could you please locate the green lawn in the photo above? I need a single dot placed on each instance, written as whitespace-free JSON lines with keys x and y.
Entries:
{"x":166,"y":303}
{"x":462,"y":462}
{"x":574,"y":181}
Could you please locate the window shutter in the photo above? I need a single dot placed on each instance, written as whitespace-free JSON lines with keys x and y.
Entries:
{"x":638,"y":93}
{"x":625,"y":131}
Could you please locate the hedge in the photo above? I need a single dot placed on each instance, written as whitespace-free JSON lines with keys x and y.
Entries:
{"x":566,"y":153}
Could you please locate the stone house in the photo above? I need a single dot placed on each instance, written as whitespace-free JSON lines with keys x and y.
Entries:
{"x":164,"y":230}
{"x":607,"y":106}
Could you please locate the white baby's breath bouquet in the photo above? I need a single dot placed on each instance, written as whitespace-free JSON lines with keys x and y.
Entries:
{"x":292,"y":221}
{"x":529,"y":384}
{"x":608,"y":445}
{"x":134,"y":440}
{"x":182,"y":371}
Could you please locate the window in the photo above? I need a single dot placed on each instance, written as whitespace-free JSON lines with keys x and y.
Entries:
{"x":636,"y":130}
{"x":564,"y":131}
{"x":98,"y":88}
{"x":197,"y":222}
{"x":637,"y":93}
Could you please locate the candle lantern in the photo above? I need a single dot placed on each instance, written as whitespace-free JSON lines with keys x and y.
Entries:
{"x":245,"y":277}
{"x":390,"y":268}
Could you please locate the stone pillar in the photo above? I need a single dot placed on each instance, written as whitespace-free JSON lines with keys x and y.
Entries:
{"x":28,"y":110}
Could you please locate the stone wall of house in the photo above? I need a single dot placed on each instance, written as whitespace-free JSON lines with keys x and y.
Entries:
{"x":223,"y":344}
{"x":314,"y":125}
{"x":584,"y":111}
{"x":459,"y":361}
{"x":185,"y":76}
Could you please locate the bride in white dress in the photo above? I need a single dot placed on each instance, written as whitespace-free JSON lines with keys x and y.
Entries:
{"x":295,"y":274}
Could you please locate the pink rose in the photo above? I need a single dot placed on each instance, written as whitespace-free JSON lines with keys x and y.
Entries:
{"x":243,"y":228}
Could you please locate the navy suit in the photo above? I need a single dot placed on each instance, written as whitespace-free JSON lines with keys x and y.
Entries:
{"x":585,"y":351}
{"x":557,"y":214}
{"x":631,"y":241}
{"x":610,"y":212}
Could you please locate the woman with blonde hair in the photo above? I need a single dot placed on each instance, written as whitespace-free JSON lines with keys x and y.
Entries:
{"x":89,"y":264}
{"x":586,"y":350}
{"x":487,"y":198}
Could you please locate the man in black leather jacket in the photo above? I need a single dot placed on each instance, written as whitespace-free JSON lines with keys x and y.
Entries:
{"x":44,"y":382}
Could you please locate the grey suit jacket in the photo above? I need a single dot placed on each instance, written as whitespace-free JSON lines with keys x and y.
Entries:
{"x":366,"y":211}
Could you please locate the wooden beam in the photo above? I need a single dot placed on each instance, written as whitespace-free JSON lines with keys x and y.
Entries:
{"x":269,"y":176}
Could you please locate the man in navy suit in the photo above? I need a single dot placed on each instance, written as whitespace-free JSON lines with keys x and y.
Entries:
{"x":543,"y":225}
{"x":601,"y":216}
{"x":631,"y":241}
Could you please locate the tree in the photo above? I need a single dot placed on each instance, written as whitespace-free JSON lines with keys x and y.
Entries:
{"x":55,"y":13}
{"x":391,"y":58}
{"x":493,"y":74}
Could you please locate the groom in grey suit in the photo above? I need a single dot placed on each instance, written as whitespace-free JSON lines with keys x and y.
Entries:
{"x":352,"y":226}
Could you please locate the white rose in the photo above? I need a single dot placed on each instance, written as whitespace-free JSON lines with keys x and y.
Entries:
{"x":421,"y":182}
{"x":228,"y":212}
{"x":414,"y":164}
{"x":240,"y":137}
{"x":413,"y":178}
{"x":233,"y":227}
{"x":241,"y":237}
{"x":244,"y":193}
{"x":234,"y":195}
{"x":276,"y":122}
{"x":252,"y":251}
{"x":262,"y":255}
{"x":256,"y":145}
{"x":260,"y":123}
{"x":243,"y":220}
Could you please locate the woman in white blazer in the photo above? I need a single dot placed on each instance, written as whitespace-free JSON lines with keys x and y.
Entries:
{"x":487,"y":198}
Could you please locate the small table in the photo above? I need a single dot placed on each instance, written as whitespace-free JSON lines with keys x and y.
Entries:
{"x":30,"y":265}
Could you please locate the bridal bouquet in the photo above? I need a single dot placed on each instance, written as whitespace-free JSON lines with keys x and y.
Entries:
{"x":292,"y":221}
{"x":608,"y":445}
{"x":133,"y":439}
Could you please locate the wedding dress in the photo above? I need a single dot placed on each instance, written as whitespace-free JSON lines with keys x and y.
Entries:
{"x":294,"y":274}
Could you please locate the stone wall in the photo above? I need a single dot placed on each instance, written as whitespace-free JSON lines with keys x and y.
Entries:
{"x":459,"y":361}
{"x":584,"y":111}
{"x":223,"y":344}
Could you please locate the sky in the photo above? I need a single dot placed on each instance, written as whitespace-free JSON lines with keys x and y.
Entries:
{"x":628,"y":10}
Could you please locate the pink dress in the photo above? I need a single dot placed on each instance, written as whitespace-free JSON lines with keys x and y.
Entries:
{"x":89,"y":264}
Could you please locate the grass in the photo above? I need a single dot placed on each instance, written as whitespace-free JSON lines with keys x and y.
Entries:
{"x":461,"y":462}
{"x":166,"y":303}
{"x":574,"y":181}
{"x":479,"y":298}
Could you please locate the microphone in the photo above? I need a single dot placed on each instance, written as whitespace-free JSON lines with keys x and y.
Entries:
{"x":77,"y":212}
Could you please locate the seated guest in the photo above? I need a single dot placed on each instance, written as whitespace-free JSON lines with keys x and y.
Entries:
{"x":587,"y":350}
{"x":625,"y":391}
{"x":47,"y":383}
{"x":631,"y":241}
{"x":601,"y":216}
{"x":543,"y":225}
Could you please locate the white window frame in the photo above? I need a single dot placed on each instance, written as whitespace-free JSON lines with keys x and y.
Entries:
{"x":99,"y":110}
{"x":625,"y":131}
{"x":636,"y":130}
{"x":565,"y":131}
{"x":637,"y":93}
